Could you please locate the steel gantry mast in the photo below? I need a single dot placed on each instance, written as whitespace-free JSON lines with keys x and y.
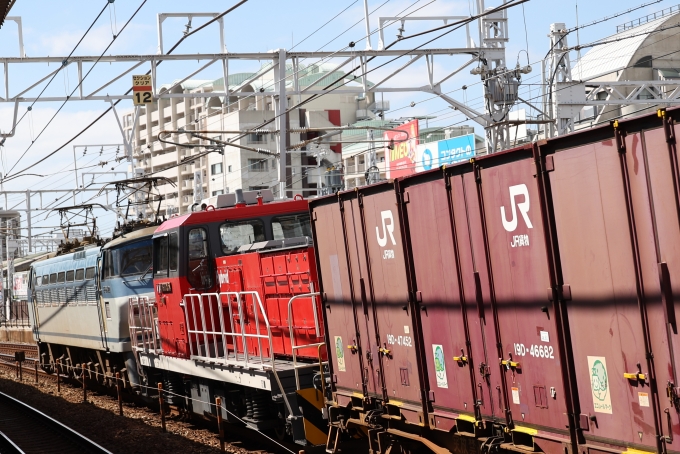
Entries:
{"x":486,"y":50}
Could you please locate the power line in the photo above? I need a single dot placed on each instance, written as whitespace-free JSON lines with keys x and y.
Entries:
{"x":64,"y":64}
{"x":74,"y":90}
{"x":9,"y":177}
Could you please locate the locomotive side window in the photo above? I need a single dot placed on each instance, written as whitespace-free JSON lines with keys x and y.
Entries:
{"x":110,"y":265}
{"x":291,"y":226}
{"x":160,"y":249}
{"x":45,"y":279}
{"x":166,"y":251}
{"x":235,"y":234}
{"x":53,"y":278}
{"x":70,"y":275}
{"x":89,"y":273}
{"x":80,"y":274}
{"x":198,"y":274}
{"x":61,"y":277}
{"x":173,"y":251}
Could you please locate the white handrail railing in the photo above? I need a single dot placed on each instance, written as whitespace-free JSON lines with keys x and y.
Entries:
{"x":294,"y":347}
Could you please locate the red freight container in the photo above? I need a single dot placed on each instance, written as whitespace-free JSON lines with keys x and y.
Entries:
{"x":522,"y":301}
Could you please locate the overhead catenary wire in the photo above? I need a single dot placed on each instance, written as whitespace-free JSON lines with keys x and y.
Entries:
{"x":81,"y":132}
{"x":63,"y":66}
{"x":333,"y":86}
{"x":79,"y":84}
{"x":9,"y":177}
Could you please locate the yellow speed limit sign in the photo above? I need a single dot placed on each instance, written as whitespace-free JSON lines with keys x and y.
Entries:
{"x":142,"y":93}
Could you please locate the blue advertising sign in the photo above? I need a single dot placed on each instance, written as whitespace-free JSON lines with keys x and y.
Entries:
{"x":449,"y":151}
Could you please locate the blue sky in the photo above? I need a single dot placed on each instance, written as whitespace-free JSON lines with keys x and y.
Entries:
{"x":53,"y":28}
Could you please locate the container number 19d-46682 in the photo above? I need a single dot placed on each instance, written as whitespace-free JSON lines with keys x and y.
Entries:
{"x":538,"y":351}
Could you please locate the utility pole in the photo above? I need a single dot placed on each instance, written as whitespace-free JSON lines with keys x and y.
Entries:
{"x":281,"y":104}
{"x":559,"y":83}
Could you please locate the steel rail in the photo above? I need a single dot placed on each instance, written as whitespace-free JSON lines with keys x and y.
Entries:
{"x":33,"y":431}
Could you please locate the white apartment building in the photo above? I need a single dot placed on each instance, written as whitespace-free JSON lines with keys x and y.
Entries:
{"x":194,"y":179}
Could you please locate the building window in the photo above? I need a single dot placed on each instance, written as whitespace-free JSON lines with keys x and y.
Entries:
{"x":258,"y":188}
{"x":216,"y":169}
{"x":229,"y":168}
{"x":257,"y":138}
{"x":257,"y":165}
{"x":219,"y":192}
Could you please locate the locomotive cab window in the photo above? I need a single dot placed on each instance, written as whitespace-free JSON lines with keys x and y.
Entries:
{"x":135,"y":258}
{"x":233,"y":235}
{"x":160,"y":260}
{"x":110,"y":265}
{"x":128,"y":260}
{"x":70,"y":275}
{"x":89,"y":273}
{"x":198,"y":272}
{"x":80,"y":274}
{"x":291,"y":226}
{"x":166,"y":251}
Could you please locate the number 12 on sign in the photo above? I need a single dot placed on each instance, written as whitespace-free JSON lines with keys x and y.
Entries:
{"x":142,"y":89}
{"x":142,"y":97}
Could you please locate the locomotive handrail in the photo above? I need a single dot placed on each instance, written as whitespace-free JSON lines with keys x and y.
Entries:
{"x":294,"y":347}
{"x":198,"y":331}
{"x":202,"y":331}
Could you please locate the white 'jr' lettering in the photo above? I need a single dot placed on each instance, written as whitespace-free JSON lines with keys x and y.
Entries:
{"x":520,"y":189}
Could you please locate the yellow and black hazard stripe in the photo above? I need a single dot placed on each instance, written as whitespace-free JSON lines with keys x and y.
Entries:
{"x":311,"y":402}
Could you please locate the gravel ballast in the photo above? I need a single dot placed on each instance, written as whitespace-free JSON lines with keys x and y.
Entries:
{"x":138,"y":431}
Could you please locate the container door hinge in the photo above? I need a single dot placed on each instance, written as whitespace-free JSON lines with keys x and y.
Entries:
{"x":563,"y":293}
{"x":549,"y":165}
{"x":314,"y":215}
{"x":619,"y":136}
{"x":404,"y":198}
{"x":477,"y":173}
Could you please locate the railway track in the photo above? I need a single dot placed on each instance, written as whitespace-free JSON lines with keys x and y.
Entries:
{"x":27,"y":430}
{"x":30,"y":350}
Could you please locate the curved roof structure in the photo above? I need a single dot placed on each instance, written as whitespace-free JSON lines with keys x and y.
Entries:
{"x":607,"y":61}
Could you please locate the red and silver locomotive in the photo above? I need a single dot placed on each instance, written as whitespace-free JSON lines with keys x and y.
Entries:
{"x":237,"y":315}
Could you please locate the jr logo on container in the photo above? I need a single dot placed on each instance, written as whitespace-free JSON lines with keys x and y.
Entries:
{"x":387,"y":230}
{"x":523,"y":207}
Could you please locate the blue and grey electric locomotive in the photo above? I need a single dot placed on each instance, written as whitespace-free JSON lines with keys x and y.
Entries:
{"x":80,"y":304}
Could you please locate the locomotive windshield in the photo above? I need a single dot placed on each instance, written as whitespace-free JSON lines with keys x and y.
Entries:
{"x":128,"y":260}
{"x":233,"y":235}
{"x":291,"y":226}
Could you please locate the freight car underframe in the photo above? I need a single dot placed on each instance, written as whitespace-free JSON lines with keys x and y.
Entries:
{"x":389,"y":426}
{"x":282,"y":394}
